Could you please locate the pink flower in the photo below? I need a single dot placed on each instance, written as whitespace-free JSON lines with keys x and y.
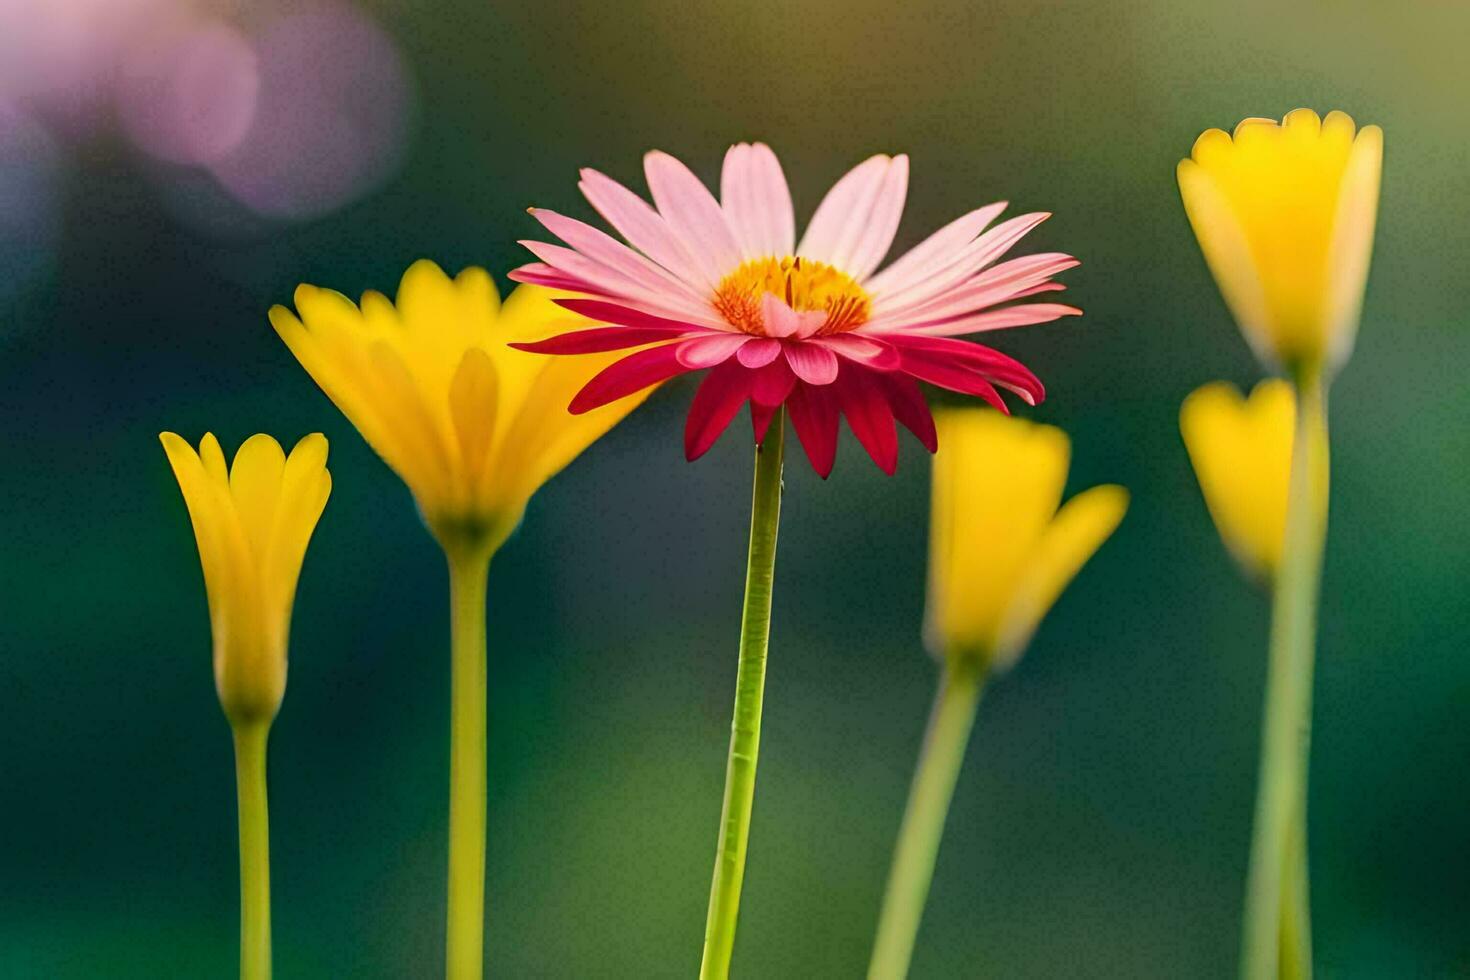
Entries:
{"x":724,"y":286}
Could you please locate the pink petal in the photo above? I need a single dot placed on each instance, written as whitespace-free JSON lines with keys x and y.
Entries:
{"x":541,"y":274}
{"x":812,"y":363}
{"x":837,"y":226}
{"x":866,"y":350}
{"x":719,"y":397}
{"x":643,"y":227}
{"x":921,"y":260}
{"x":1024,"y":315}
{"x":875,"y":236}
{"x":711,"y":349}
{"x":597,"y":340}
{"x":693,"y":214}
{"x":757,"y":201}
{"x":814,"y":417}
{"x":865,"y":403}
{"x":781,"y":320}
{"x":626,"y":376}
{"x":759,"y":352}
{"x":960,"y":265}
{"x":999,"y":284}
{"x":642,"y":274}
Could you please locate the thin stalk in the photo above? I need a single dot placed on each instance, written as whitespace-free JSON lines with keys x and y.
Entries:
{"x":255,"y":847}
{"x":950,"y":723}
{"x":1286,"y":735}
{"x":745,"y":730}
{"x":469,"y":569}
{"x":1296,"y":923}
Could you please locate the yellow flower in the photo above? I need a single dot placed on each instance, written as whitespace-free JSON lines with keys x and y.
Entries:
{"x":1284,"y":214}
{"x":1000,"y":551}
{"x":252,"y":523}
{"x":1241,"y":452}
{"x":473,"y":427}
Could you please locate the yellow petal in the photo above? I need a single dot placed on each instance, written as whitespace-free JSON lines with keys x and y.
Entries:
{"x":1283,"y":214}
{"x":472,"y":403}
{"x":997,"y":483}
{"x":1241,"y":452}
{"x":255,"y":484}
{"x":1352,"y":242}
{"x":539,"y":436}
{"x":305,"y":486}
{"x":1079,"y":529}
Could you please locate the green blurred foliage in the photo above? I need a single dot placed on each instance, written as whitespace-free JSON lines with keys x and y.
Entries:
{"x":1101,"y":823}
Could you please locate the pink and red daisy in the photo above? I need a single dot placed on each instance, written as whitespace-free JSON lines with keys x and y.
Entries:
{"x":724,"y":286}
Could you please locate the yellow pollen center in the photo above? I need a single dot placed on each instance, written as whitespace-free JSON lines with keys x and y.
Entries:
{"x":803,"y":284}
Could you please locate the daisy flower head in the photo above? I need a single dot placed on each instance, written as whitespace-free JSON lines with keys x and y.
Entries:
{"x":814,"y":325}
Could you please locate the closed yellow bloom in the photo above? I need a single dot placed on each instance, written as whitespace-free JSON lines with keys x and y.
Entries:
{"x":1284,"y":214}
{"x":473,"y":427}
{"x":252,"y":522}
{"x":1000,"y":550}
{"x":1241,"y":452}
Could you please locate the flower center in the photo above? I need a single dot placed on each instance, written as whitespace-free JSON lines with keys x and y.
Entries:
{"x":803,"y":284}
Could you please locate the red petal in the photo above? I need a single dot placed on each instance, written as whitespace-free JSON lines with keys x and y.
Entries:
{"x":865,"y":403}
{"x":760,"y":419}
{"x":910,"y":408}
{"x":948,"y":374}
{"x":624,"y":377}
{"x":597,"y":340}
{"x":932,"y":358}
{"x":600,"y":309}
{"x":719,"y":397}
{"x":773,"y":383}
{"x":814,"y":417}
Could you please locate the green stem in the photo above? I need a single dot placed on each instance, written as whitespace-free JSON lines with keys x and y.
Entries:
{"x":750,"y":682}
{"x":255,"y":847}
{"x":923,"y":821}
{"x":1286,"y":733}
{"x":469,"y":569}
{"x":1296,"y":925}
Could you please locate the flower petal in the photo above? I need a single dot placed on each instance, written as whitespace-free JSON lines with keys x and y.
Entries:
{"x":909,"y":407}
{"x":633,"y":373}
{"x":711,"y":349}
{"x":814,"y":417}
{"x":1025,"y":315}
{"x":924,"y":258}
{"x":865,"y":403}
{"x":641,"y":273}
{"x":839,"y":224}
{"x":876,"y":233}
{"x":1076,"y":532}
{"x":628,"y":316}
{"x":598,"y":340}
{"x":812,"y":363}
{"x":759,"y":352}
{"x":715,"y":404}
{"x":781,"y":320}
{"x":959,"y":266}
{"x":757,"y":201}
{"x":693,"y":214}
{"x":643,"y":227}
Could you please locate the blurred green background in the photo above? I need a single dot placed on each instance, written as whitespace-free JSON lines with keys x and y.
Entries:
{"x":1101,"y":823}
